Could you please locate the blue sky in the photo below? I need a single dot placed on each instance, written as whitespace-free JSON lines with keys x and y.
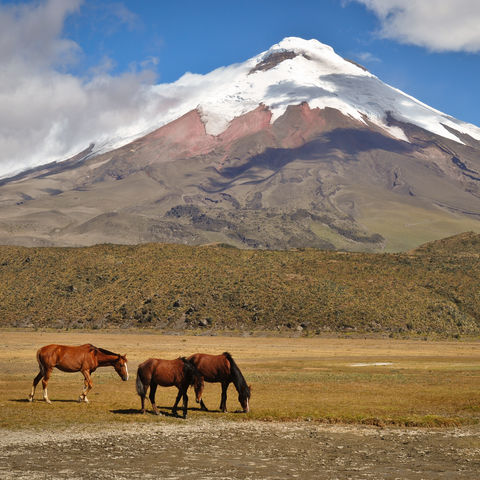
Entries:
{"x":68,"y":63}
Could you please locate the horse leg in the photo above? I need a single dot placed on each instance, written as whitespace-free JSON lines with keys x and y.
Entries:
{"x":45,"y":379}
{"x":223,"y":402}
{"x":153,"y":390}
{"x":174,"y":409}
{"x":87,"y":387}
{"x":185,"y":403}
{"x":142,"y":399}
{"x":34,"y":386}
{"x":199,"y":386}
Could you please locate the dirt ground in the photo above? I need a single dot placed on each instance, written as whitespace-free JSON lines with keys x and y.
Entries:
{"x":219,"y":449}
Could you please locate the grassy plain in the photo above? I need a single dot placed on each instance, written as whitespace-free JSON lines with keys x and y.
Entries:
{"x":318,"y":379}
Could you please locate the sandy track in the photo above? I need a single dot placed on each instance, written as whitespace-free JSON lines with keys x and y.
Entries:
{"x":206,"y":449}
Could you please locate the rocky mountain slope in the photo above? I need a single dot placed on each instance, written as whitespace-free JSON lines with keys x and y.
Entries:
{"x":296,"y":147}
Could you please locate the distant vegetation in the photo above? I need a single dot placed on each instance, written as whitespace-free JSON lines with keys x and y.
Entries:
{"x":432,"y":290}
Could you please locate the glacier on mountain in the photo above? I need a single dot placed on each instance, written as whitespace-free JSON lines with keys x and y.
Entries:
{"x":315,"y":74}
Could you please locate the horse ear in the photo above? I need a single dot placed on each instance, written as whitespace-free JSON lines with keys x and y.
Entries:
{"x":250,"y":387}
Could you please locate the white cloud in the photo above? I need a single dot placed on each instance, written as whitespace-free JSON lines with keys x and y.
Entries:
{"x":367,"y":57}
{"x":439,"y":25}
{"x":31,"y":33}
{"x":47,"y":114}
{"x":150,"y":61}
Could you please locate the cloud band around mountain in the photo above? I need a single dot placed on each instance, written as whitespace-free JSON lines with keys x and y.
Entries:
{"x":47,"y":113}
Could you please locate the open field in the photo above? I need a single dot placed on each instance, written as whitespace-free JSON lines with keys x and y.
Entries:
{"x":333,"y":380}
{"x":308,"y":390}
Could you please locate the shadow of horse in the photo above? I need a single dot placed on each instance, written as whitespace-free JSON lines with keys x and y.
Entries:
{"x":125,"y":411}
{"x":26,"y":400}
{"x":162,"y":410}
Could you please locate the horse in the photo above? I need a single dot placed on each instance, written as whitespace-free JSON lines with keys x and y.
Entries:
{"x":84,"y":358}
{"x":180,"y":373}
{"x":223,"y":369}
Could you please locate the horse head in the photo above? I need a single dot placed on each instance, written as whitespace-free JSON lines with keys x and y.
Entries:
{"x":244,"y":398}
{"x":121,"y":368}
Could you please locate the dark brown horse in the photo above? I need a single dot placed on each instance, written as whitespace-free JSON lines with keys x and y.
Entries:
{"x":180,"y":373}
{"x":85,"y":359}
{"x":223,"y":369}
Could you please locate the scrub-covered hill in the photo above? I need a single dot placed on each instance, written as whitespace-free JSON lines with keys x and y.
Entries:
{"x":216,"y":288}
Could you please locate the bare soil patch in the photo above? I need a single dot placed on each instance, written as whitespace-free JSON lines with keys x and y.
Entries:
{"x":219,"y":449}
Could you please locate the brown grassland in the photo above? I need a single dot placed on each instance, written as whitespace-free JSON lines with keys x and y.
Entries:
{"x":434,"y":383}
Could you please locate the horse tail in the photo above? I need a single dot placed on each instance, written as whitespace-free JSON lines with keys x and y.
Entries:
{"x":41,"y":366}
{"x":190,"y":371}
{"x":139,"y":384}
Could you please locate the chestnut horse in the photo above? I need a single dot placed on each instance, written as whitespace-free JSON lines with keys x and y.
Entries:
{"x":180,"y":373}
{"x":84,"y":358}
{"x":223,"y":369}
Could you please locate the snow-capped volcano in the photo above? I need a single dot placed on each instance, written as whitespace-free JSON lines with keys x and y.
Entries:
{"x":295,"y":147}
{"x":289,"y":73}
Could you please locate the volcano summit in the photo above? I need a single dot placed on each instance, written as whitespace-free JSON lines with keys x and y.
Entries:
{"x":296,"y":147}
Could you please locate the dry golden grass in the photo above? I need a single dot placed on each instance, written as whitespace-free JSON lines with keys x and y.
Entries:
{"x":427,"y":383}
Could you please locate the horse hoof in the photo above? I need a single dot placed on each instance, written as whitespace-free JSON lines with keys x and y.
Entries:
{"x":30,"y":398}
{"x":48,"y":401}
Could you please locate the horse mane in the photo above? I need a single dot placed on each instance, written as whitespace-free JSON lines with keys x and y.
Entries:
{"x":189,"y":369}
{"x":106,"y":352}
{"x":238,"y":378}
